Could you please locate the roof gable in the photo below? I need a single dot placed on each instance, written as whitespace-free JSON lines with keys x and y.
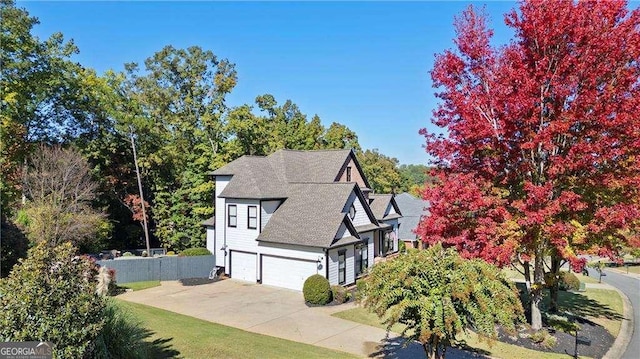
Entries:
{"x":412,"y":211}
{"x":310,"y":215}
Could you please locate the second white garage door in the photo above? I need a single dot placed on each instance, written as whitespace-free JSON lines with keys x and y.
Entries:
{"x":287,"y":272}
{"x":243,"y":266}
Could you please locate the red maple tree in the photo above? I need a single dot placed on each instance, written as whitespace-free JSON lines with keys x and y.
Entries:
{"x":541,"y":156}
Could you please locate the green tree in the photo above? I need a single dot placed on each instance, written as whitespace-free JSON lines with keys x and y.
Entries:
{"x":382,"y":172}
{"x":339,"y":136}
{"x":177,"y":107}
{"x":416,"y":176}
{"x":436,"y":294}
{"x":51,"y":296}
{"x":43,"y":95}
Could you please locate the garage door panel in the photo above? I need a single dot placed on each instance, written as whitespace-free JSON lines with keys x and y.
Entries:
{"x":243,"y":266}
{"x":287,"y":272}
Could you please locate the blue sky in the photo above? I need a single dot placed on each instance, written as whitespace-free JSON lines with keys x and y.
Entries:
{"x":363,"y":64}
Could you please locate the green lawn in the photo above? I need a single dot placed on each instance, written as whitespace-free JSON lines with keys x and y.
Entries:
{"x":601,"y":306}
{"x":140,"y":285}
{"x":175,"y":335}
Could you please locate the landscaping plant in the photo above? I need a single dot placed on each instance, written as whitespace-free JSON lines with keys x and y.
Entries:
{"x":436,"y":294}
{"x":51,"y":296}
{"x":340,"y":294}
{"x":198,"y":251}
{"x":122,"y":336}
{"x":316,"y":290}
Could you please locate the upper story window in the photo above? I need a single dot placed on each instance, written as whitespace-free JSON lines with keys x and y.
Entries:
{"x":348,"y":173}
{"x":252,"y":221}
{"x":352,"y":212}
{"x":232,"y":215}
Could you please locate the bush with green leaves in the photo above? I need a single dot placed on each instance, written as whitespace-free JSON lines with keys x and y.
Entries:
{"x":51,"y":296}
{"x":127,"y":254}
{"x":340,"y":294}
{"x":316,"y":290}
{"x":437,"y":294}
{"x":402,"y":247}
{"x":568,"y":281}
{"x":198,"y":251}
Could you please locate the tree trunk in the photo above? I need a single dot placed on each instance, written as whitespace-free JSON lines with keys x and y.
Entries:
{"x":553,"y":290}
{"x":536,"y":291}
{"x":144,"y":213}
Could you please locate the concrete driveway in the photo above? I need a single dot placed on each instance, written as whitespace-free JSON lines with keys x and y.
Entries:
{"x":277,"y":312}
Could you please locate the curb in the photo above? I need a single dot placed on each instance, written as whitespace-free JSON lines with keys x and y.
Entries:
{"x":630,"y":275}
{"x":626,"y":329}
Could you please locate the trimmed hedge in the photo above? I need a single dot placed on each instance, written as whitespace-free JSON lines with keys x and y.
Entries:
{"x":317,"y":290}
{"x":198,"y":251}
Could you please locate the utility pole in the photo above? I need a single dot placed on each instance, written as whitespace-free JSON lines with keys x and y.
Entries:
{"x":144,"y":213}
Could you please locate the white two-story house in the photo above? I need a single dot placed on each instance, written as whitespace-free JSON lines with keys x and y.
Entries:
{"x":282,"y":218}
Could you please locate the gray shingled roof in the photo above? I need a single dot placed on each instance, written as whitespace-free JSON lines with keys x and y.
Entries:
{"x":412,"y":209}
{"x":253,"y":177}
{"x":266,"y":177}
{"x":209,"y":222}
{"x":379,"y":204}
{"x":310,"y":216}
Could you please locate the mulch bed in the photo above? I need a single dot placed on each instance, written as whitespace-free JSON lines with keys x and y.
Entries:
{"x":601,"y":340}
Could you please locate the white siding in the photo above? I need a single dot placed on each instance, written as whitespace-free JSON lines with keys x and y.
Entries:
{"x":390,"y":209}
{"x":211,"y":245}
{"x":333,"y":265}
{"x":267,"y":209}
{"x":240,"y":238}
{"x":361,"y":217}
{"x":371,"y":250}
{"x":221,"y":215}
{"x":343,"y":231}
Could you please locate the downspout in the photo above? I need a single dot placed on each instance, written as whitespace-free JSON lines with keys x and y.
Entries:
{"x":326,"y":260}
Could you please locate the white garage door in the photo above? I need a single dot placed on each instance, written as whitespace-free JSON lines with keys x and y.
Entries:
{"x":287,"y":272}
{"x":243,"y":266}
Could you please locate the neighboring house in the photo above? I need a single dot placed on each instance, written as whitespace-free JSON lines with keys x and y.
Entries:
{"x":282,"y":218}
{"x":412,"y":211}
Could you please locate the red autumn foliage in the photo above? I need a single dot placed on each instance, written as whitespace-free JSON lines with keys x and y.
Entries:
{"x":133,"y":202}
{"x":542,"y":153}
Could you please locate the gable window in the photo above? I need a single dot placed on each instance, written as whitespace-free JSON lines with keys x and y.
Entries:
{"x":362,"y":257}
{"x":342,"y":267}
{"x":252,"y":214}
{"x":232,"y":215}
{"x":352,"y":212}
{"x":348,"y":173}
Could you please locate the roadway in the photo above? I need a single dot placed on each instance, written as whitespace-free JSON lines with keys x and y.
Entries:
{"x":630,"y":286}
